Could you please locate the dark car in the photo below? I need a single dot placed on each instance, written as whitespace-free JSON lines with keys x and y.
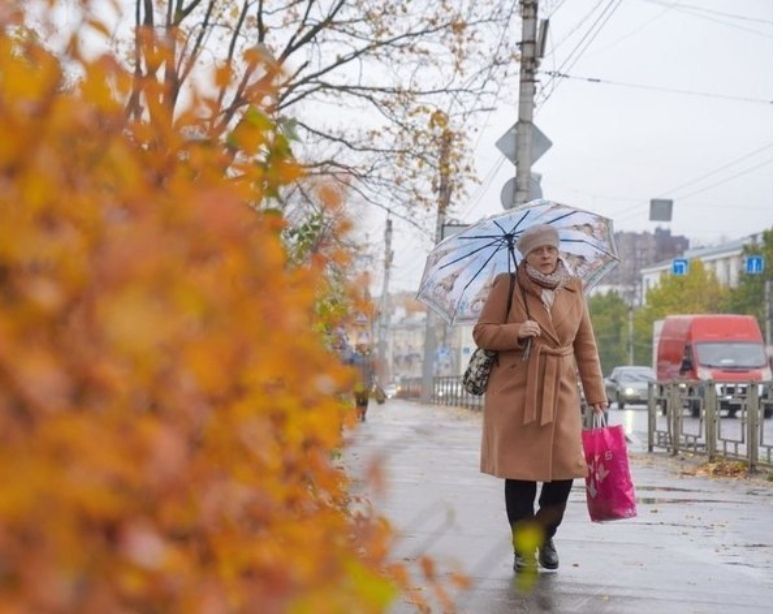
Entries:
{"x":628,"y":385}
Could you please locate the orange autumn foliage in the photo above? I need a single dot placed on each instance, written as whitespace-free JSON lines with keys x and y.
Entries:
{"x":167,"y":413}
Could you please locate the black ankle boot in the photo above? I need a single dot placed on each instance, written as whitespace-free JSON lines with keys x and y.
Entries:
{"x":524,"y":562}
{"x":547,"y":555}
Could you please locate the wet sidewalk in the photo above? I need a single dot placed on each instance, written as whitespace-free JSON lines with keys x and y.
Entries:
{"x":697,"y":545}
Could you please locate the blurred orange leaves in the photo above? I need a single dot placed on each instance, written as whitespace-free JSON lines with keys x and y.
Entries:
{"x":168,"y":413}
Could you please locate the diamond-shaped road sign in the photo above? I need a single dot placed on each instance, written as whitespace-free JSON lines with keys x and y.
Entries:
{"x":507,"y":144}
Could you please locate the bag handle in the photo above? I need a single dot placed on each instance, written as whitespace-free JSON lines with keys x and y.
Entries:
{"x":599,"y":420}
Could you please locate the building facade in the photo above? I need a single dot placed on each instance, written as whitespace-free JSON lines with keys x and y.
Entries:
{"x":725,"y":261}
{"x":638,"y":250}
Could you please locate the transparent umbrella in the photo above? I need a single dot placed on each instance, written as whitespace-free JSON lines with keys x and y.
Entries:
{"x":460,"y":269}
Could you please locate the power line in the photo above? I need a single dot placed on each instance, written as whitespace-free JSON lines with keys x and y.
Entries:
{"x":581,"y":22}
{"x":582,"y":46}
{"x":717,"y":170}
{"x":656,"y":88}
{"x":497,"y":52}
{"x":633,"y":210}
{"x":727,"y":24}
{"x":708,"y":17}
{"x":734,"y":207}
{"x":557,"y":8}
{"x":592,"y":32}
{"x":484,"y":186}
{"x":702,"y":9}
{"x":493,"y":171}
{"x":399,"y":216}
{"x":635,"y":31}
{"x":727,"y":179}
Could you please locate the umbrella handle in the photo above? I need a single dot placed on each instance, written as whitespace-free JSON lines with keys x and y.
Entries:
{"x":529,"y":340}
{"x":526,"y":348}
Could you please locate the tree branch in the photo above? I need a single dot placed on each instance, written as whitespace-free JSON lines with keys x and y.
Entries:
{"x":293,"y":44}
{"x":261,"y":30}
{"x":288,"y":86}
{"x":185,"y":12}
{"x":343,"y":141}
{"x":197,"y":46}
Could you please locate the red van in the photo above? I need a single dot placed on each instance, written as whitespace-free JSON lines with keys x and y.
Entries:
{"x":724,"y":348}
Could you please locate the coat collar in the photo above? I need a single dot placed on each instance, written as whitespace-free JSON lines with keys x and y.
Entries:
{"x":535,"y":305}
{"x":538,"y":311}
{"x":572,"y":284}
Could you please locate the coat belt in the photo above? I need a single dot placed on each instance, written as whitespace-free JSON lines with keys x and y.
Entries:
{"x":552,"y":365}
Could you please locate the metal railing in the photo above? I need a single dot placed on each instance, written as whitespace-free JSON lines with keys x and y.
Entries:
{"x":409,"y":388}
{"x":682,"y":416}
{"x":446,"y":390}
{"x":715,"y":419}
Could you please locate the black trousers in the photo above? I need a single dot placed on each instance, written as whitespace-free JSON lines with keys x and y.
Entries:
{"x":520,"y":496}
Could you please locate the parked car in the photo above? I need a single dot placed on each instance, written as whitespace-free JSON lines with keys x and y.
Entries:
{"x":391,"y":390}
{"x":628,"y":384}
{"x":725,"y":348}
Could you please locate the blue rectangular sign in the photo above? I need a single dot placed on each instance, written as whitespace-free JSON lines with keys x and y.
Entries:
{"x":754,"y":265}
{"x":680,"y":266}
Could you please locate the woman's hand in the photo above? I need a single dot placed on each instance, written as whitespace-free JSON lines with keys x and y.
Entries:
{"x":599,"y":408}
{"x":528,"y":328}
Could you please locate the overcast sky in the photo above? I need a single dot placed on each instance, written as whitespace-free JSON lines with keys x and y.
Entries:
{"x":616,"y":147}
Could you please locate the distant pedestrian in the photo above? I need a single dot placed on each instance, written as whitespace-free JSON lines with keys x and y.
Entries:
{"x":361,"y":360}
{"x":532,"y":423}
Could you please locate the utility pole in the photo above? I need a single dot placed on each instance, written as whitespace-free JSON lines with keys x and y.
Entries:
{"x":383,"y":342}
{"x":630,"y":335}
{"x":527,"y":90}
{"x":444,"y":197}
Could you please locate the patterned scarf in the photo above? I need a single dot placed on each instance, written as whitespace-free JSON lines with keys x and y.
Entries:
{"x":551,"y":281}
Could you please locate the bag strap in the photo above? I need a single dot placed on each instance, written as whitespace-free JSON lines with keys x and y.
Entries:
{"x":528,"y":342}
{"x":511,"y":295}
{"x":508,"y":305}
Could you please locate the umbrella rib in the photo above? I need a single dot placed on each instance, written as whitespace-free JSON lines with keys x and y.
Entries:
{"x":497,"y":241}
{"x":522,"y":219}
{"x":482,"y":237}
{"x":594,"y":245}
{"x":562,"y":217}
{"x":483,"y":266}
{"x":503,"y":230}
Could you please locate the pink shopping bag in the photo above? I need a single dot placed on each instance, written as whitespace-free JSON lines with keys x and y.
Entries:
{"x":610,"y":492}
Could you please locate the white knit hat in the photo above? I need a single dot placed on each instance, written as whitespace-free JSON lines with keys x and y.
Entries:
{"x":536,"y":236}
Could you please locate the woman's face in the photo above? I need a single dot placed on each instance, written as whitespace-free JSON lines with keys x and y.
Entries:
{"x":543,"y":259}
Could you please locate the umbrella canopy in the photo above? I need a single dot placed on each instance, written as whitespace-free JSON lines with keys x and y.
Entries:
{"x":460,"y":270}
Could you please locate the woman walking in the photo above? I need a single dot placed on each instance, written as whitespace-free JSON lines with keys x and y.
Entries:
{"x":361,"y":360}
{"x":532,"y":423}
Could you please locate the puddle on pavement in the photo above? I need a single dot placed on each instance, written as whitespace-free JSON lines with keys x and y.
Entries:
{"x":662,"y":500}
{"x":655,"y":500}
{"x":667,"y":489}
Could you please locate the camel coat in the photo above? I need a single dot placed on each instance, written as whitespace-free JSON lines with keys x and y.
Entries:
{"x":532,"y":421}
